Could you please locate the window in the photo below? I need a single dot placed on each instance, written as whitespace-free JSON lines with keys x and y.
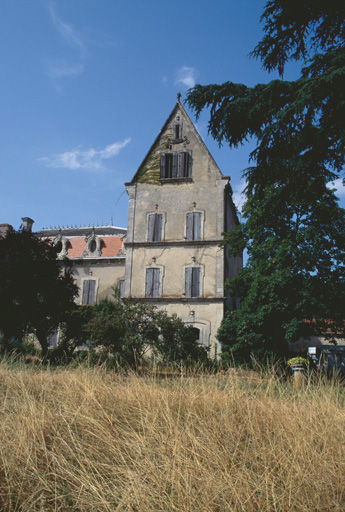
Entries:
{"x":193,"y":231}
{"x":176,"y":165}
{"x":152,"y":282}
{"x":192,"y":282}
{"x":177,"y":131}
{"x":89,"y":291}
{"x":155,"y":227}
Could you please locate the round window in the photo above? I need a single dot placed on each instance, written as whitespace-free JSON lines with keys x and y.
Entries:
{"x":93,"y":246}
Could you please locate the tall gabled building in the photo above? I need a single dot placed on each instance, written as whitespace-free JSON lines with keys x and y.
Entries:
{"x":179,"y":205}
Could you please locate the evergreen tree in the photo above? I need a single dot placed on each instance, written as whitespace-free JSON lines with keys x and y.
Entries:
{"x":35,"y":292}
{"x":294,"y":282}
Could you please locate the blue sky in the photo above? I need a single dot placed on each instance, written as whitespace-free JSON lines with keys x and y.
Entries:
{"x":86,"y":85}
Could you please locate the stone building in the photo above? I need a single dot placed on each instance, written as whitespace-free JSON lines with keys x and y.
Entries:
{"x":179,"y":205}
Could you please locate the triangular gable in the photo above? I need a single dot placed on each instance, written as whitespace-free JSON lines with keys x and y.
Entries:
{"x":151,"y":172}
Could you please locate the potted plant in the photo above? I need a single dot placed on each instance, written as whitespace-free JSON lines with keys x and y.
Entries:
{"x":298,"y":366}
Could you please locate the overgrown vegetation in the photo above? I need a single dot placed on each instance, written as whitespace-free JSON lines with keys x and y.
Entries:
{"x":89,"y":440}
{"x":295,"y":230}
{"x":35,"y":293}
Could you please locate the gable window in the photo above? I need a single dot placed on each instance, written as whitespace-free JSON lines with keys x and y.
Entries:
{"x":193,"y":231}
{"x":192,"y":282}
{"x":176,"y":165}
{"x":152,"y":282}
{"x":89,"y":292}
{"x":154,"y":227}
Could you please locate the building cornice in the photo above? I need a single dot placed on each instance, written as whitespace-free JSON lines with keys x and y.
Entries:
{"x":176,"y":243}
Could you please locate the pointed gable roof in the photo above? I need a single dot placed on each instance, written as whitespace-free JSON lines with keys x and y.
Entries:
{"x":142,"y":167}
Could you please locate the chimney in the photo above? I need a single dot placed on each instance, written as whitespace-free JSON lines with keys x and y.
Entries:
{"x":27,"y":224}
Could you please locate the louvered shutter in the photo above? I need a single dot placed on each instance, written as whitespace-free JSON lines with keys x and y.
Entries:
{"x":189,"y":231}
{"x":197,"y":226}
{"x":162,"y":174}
{"x":188,"y":288}
{"x":148,"y":284}
{"x":188,"y":166}
{"x":92,"y":288}
{"x":85,"y":292}
{"x":181,"y":164}
{"x":155,"y":285}
{"x":151,"y":227}
{"x":174,"y":165}
{"x":195,"y":281}
{"x":157,"y":228}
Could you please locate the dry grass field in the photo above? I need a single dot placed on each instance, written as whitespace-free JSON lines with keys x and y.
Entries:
{"x":89,"y":440}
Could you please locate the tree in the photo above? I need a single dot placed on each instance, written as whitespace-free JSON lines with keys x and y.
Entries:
{"x":131,"y":330}
{"x":294,"y":230}
{"x":35,"y":290}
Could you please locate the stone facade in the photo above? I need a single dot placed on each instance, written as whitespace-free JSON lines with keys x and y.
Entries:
{"x":180,"y":188}
{"x":179,"y":205}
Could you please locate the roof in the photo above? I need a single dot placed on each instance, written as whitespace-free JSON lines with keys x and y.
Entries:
{"x":81,"y":231}
{"x":177,"y":106}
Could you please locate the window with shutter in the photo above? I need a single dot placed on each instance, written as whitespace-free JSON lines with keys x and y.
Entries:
{"x":155,"y":227}
{"x":176,"y":165}
{"x":193,"y":231}
{"x":152,"y":282}
{"x":192,"y":288}
{"x":89,"y":288}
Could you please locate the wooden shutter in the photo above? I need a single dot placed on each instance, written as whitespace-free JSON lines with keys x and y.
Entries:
{"x":174,"y":165}
{"x":162,"y":172}
{"x":89,"y":287}
{"x":188,"y":166}
{"x":151,"y":227}
{"x":195,"y":281}
{"x":196,"y":225}
{"x":155,"y":284}
{"x":157,"y":228}
{"x":181,"y":164}
{"x":188,"y":288}
{"x":152,"y":282}
{"x":148,"y":284}
{"x":92,"y":288}
{"x":85,"y":292}
{"x":189,"y":231}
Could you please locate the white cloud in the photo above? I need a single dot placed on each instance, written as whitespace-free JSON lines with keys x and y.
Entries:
{"x":238,"y":196}
{"x":338,"y":185}
{"x":186,"y":76}
{"x":90,"y":159}
{"x":68,"y":33}
{"x":58,"y":70}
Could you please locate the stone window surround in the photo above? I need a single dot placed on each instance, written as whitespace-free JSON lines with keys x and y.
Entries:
{"x":64,"y":241}
{"x":164,"y":220}
{"x":161,"y":276}
{"x":202,"y":223}
{"x":97,"y":252}
{"x":89,"y":278}
{"x":203,"y":325}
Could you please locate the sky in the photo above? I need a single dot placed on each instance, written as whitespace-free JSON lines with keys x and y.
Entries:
{"x":86,"y":85}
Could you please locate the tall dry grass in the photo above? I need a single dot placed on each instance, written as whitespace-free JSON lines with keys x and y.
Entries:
{"x":88,"y":440}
